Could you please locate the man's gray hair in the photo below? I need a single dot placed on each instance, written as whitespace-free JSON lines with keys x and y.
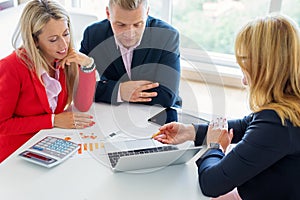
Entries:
{"x":128,"y":4}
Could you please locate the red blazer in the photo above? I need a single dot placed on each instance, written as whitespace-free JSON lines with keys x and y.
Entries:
{"x":24,"y":107}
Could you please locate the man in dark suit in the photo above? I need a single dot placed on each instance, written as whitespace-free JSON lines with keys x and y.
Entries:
{"x":137,"y":56}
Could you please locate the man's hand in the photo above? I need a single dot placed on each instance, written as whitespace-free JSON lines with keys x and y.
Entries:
{"x":134,"y":91}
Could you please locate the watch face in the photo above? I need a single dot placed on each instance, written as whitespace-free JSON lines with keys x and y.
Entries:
{"x":214,"y":145}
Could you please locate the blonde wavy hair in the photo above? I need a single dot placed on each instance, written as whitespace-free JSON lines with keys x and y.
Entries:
{"x":36,"y":14}
{"x":268,"y":52}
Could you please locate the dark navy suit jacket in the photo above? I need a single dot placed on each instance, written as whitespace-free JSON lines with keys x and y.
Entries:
{"x":265,"y":163}
{"x":156,"y":59}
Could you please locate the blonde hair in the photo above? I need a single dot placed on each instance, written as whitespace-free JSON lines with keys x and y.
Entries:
{"x":36,"y":14}
{"x":128,"y":4}
{"x":268,"y":51}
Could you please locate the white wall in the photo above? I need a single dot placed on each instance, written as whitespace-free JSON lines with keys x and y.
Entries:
{"x":9,"y":19}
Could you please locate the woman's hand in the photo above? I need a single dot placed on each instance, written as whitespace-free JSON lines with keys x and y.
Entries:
{"x":175,"y":133}
{"x":225,"y":138}
{"x":219,"y":135}
{"x":73,"y":120}
{"x":76,"y":57}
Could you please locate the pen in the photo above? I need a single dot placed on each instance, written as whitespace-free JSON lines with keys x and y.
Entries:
{"x":155,"y":134}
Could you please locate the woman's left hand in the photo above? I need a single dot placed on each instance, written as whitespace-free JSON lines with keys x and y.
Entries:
{"x":218,"y":133}
{"x":76,"y":57}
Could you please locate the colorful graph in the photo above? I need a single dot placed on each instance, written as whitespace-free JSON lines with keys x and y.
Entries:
{"x":88,"y":142}
{"x":90,"y":147}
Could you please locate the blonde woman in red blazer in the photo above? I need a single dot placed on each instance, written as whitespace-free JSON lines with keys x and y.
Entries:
{"x":42,"y":79}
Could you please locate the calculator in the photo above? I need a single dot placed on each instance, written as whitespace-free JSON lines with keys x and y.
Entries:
{"x":50,"y":151}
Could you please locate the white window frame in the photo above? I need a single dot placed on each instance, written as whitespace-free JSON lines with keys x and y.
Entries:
{"x":220,"y":68}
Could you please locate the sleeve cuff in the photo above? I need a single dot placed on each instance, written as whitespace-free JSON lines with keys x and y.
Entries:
{"x":201,"y":130}
{"x":119,"y":99}
{"x":88,"y":69}
{"x":52,"y":119}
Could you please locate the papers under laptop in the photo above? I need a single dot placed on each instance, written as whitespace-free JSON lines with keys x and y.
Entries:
{"x":146,"y":154}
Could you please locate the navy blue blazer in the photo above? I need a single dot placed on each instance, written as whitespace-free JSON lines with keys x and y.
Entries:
{"x":265,"y":163}
{"x":156,"y":59}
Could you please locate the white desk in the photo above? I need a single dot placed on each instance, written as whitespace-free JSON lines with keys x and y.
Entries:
{"x":83,"y":177}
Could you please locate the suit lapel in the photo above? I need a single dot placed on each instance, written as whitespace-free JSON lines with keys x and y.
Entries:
{"x":41,"y":92}
{"x":139,"y":56}
{"x":142,"y":51}
{"x":110,"y":57}
{"x":120,"y":67}
{"x":115,"y":55}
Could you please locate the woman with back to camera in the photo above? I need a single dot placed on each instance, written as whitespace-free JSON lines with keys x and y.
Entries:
{"x":40,"y":80}
{"x":265,"y":162}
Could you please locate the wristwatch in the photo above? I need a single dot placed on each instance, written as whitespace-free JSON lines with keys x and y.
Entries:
{"x":213,"y":145}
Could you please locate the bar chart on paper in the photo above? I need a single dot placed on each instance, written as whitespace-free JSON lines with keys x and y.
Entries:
{"x":90,"y":143}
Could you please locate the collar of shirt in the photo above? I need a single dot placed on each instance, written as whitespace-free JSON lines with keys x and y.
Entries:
{"x":52,"y":87}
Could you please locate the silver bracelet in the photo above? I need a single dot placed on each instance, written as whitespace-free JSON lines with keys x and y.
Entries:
{"x":88,"y":69}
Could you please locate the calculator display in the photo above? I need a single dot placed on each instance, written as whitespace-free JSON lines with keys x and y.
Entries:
{"x":38,"y":157}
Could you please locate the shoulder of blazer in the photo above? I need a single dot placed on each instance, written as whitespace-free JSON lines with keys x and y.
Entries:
{"x":155,"y":22}
{"x":13,"y":63}
{"x":95,"y":34}
{"x":99,"y":31}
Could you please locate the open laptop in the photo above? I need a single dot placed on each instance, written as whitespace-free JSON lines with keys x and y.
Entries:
{"x":140,"y":154}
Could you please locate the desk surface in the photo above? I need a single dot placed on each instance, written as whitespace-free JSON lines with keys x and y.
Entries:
{"x":85,"y":176}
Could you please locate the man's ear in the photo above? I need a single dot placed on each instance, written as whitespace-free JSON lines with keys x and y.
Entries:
{"x":107,"y":13}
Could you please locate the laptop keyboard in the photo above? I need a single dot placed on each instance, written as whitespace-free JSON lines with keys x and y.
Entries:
{"x":114,"y":157}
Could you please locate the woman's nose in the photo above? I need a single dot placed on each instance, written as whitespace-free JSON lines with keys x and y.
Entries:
{"x":63,"y":43}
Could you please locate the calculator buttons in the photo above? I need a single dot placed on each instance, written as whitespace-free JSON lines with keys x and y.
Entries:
{"x":55,"y":146}
{"x":50,"y":151}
